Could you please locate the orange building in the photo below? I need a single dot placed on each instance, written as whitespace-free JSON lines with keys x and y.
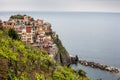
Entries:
{"x":28,"y":29}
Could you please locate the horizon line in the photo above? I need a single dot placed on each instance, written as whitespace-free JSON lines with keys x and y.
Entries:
{"x":68,"y":11}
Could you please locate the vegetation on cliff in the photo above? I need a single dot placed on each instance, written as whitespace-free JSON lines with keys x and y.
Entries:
{"x":18,"y":16}
{"x":13,"y":34}
{"x":64,"y":55}
{"x":20,"y":61}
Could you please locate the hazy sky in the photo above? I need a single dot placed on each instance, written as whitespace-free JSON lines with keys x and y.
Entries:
{"x":61,"y":5}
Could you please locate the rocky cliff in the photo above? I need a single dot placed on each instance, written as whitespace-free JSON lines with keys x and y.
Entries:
{"x":62,"y":55}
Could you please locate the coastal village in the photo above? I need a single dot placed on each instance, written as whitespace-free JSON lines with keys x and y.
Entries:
{"x":35,"y":36}
{"x":35,"y":32}
{"x":39,"y":34}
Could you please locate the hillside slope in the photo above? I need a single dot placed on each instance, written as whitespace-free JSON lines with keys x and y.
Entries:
{"x":21,"y":61}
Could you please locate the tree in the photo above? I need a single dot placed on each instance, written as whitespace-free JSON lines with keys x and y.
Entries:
{"x":13,"y":34}
{"x":18,"y":16}
{"x":82,"y":74}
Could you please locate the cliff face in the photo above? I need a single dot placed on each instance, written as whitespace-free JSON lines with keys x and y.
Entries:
{"x":62,"y":56}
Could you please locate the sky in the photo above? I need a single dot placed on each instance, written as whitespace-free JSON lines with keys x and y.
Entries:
{"x":61,"y":5}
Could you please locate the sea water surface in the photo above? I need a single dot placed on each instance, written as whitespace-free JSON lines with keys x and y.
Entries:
{"x":90,"y":35}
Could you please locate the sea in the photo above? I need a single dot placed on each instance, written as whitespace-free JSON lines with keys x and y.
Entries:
{"x":93,"y":36}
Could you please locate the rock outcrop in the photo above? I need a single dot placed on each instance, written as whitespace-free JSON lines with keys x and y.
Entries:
{"x":75,"y":60}
{"x":61,"y":56}
{"x":99,"y":66}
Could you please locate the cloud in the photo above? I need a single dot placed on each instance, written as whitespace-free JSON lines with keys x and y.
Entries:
{"x":60,"y":5}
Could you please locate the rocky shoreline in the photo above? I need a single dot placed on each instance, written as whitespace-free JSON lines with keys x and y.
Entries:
{"x":75,"y":60}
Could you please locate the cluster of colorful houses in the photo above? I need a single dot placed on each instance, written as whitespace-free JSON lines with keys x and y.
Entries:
{"x":35,"y":32}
